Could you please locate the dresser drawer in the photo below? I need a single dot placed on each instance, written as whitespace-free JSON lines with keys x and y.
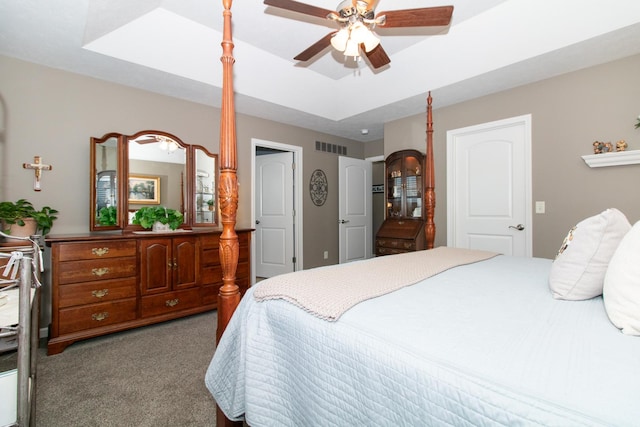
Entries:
{"x":168,"y":302}
{"x":210,"y":292}
{"x":95,"y":292}
{"x":99,"y":269}
{"x":210,"y":241}
{"x":96,"y":315}
{"x":96,"y":250}
{"x":389,"y":251}
{"x":211,"y":249}
{"x":210,"y":257}
{"x":242,"y":271}
{"x":409,"y":245}
{"x":212,"y":274}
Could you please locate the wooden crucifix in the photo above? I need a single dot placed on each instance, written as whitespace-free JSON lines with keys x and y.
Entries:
{"x":38,"y":167}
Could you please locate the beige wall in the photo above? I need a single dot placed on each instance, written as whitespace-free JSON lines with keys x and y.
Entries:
{"x":53,"y":113}
{"x":569,"y":113}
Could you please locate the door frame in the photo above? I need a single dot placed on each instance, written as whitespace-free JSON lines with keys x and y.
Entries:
{"x":373,"y":160}
{"x":525,"y":121}
{"x":297,"y":199}
{"x":280,"y":170}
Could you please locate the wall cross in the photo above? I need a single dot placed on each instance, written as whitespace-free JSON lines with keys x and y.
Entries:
{"x":38,"y":167}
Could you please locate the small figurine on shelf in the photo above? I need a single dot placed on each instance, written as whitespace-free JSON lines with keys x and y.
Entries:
{"x":621,"y":145}
{"x":602,"y":147}
{"x":597,"y":147}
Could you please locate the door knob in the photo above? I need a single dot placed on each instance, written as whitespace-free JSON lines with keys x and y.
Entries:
{"x":518,"y":227}
{"x":257,"y":221}
{"x":343,"y":221}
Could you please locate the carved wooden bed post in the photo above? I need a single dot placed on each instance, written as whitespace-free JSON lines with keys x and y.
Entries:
{"x":229,"y":295}
{"x":430,"y":182}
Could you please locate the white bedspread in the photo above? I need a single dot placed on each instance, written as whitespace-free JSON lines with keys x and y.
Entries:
{"x":328,"y":292}
{"x":482,"y":344}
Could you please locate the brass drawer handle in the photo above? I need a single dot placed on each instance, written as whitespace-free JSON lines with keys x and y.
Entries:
{"x":172,"y":302}
{"x":100,"y":316}
{"x":100,"y":251}
{"x":100,"y":271}
{"x":100,"y":293}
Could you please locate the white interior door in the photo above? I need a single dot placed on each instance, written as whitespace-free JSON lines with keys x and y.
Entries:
{"x":274,"y":214}
{"x":489,"y":187}
{"x":354,"y":206}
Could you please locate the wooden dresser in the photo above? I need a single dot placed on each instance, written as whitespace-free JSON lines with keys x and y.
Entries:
{"x":103,"y":283}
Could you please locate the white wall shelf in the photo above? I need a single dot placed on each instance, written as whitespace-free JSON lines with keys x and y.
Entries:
{"x":617,"y":158}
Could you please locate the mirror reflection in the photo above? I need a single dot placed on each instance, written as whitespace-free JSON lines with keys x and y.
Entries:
{"x":205,"y":201}
{"x":105,"y":163}
{"x":150,"y":168}
{"x":157,"y":169}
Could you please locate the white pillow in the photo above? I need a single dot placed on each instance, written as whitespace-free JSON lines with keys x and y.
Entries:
{"x":621,"y":291}
{"x":578,"y":271}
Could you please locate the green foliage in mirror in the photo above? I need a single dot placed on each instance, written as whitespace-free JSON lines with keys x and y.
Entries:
{"x":108,"y":216}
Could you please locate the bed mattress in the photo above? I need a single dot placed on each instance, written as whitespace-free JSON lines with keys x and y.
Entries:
{"x":480,"y":344}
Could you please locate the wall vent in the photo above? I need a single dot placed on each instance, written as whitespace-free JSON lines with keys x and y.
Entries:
{"x":340,"y":150}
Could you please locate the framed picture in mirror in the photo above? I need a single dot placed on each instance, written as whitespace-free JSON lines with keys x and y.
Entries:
{"x":144,"y":190}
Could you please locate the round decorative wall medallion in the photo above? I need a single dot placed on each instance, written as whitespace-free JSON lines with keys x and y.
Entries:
{"x":318,"y":187}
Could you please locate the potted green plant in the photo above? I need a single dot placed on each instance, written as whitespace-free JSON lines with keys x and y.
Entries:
{"x":150,"y":216}
{"x":210,"y":202}
{"x":20,"y":218}
{"x":108,"y":216}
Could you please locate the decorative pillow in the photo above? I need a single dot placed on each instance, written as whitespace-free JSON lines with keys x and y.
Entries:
{"x":621,"y":291}
{"x":578,"y":271}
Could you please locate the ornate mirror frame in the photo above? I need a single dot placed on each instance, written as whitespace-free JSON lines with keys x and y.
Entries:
{"x":150,"y":168}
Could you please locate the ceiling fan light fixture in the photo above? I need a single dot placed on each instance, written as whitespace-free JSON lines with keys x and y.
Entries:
{"x":370,"y":41}
{"x":339,"y":40}
{"x":361,"y":34}
{"x":167,"y":144}
{"x":352,"y":48}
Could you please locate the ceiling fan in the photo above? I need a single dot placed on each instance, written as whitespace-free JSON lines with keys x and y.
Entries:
{"x":357,"y":19}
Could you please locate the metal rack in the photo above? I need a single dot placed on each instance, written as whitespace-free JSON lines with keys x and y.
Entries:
{"x":20,"y":280}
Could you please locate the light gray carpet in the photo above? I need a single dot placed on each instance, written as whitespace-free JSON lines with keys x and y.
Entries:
{"x":151,"y":376}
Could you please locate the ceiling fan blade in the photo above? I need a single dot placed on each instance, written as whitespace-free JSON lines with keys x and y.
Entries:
{"x":295,"y":6}
{"x":425,"y":17}
{"x":146,"y":140}
{"x":377,"y":56}
{"x":315,"y":48}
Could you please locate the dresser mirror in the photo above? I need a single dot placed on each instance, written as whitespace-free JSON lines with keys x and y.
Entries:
{"x":150,"y":168}
{"x":205,"y":203}
{"x":106,"y":164}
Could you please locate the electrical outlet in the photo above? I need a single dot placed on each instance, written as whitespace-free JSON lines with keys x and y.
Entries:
{"x":540,"y":207}
{"x":326,"y":254}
